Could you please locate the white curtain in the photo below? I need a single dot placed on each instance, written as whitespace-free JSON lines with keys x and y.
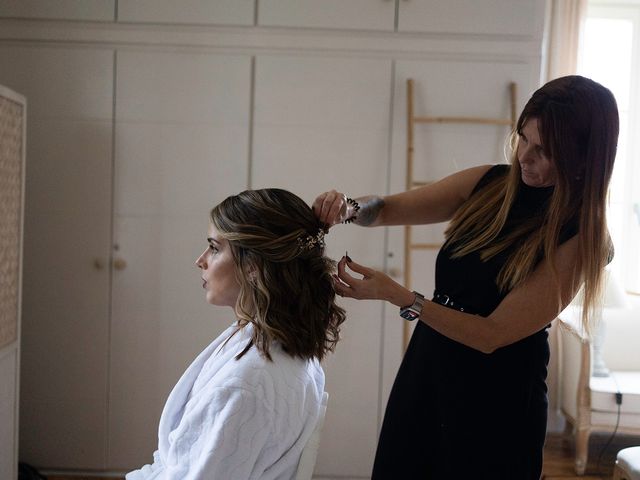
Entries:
{"x":565,"y":22}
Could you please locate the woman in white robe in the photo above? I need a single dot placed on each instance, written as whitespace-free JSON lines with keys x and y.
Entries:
{"x":249,"y":402}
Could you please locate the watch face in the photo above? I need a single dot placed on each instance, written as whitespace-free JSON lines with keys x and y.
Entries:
{"x":409,"y":314}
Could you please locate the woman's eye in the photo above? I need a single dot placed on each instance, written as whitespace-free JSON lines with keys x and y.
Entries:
{"x":540,"y":152}
{"x":213,"y":249}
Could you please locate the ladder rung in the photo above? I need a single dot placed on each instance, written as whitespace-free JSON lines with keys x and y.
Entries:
{"x":425,"y":246}
{"x":486,"y":121}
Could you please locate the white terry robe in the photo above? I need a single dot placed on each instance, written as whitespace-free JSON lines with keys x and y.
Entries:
{"x":229,"y":419}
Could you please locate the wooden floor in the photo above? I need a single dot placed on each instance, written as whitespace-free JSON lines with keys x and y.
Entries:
{"x":558,"y":458}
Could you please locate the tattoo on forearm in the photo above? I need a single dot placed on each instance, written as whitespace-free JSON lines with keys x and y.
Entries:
{"x":369,"y":209}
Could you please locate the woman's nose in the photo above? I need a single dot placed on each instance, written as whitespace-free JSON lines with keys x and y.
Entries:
{"x":525,"y":156}
{"x":200,"y":262}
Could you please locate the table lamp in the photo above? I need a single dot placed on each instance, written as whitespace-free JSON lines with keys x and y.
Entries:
{"x":614,"y":298}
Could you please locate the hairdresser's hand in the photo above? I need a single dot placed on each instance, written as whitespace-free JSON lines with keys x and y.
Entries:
{"x":331,"y":208}
{"x":373,"y":284}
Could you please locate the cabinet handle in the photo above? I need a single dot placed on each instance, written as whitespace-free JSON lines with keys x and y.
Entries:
{"x":98,"y":264}
{"x":119,"y":264}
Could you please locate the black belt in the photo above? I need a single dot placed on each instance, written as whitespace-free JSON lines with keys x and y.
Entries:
{"x":447,"y":301}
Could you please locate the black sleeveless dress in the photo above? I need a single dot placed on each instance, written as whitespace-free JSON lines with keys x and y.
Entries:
{"x":455,"y":412}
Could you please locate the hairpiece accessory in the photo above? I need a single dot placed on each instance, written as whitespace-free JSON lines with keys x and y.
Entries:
{"x":311,"y":241}
{"x":356,"y":208}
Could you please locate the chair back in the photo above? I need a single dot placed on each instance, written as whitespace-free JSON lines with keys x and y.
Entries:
{"x":310,"y":450}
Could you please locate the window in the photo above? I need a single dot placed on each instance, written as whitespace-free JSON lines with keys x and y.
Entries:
{"x":610,"y":54}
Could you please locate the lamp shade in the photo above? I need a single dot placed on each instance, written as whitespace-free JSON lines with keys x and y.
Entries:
{"x":614,"y":294}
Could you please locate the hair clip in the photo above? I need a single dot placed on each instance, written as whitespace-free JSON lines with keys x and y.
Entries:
{"x":356,"y":208}
{"x":311,"y":241}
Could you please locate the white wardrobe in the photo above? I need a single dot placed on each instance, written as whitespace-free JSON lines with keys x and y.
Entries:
{"x":144,"y":114}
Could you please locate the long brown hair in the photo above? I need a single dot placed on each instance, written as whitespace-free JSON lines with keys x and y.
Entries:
{"x":286,"y":286}
{"x":578,"y":126}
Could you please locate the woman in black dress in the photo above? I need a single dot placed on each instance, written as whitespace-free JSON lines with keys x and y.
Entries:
{"x":470,"y":398}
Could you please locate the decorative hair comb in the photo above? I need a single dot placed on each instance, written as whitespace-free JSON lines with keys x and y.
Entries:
{"x":309,"y":242}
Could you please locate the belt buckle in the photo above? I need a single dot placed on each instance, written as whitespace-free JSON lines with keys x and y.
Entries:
{"x":447,"y":301}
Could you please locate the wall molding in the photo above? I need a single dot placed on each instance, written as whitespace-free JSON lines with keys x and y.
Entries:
{"x":272,"y":40}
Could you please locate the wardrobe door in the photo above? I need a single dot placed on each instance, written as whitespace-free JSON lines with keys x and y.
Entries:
{"x":182,"y":123}
{"x":212,"y":12}
{"x":463,"y":17}
{"x":65,"y":330}
{"x":351,"y":15}
{"x":323,"y":123}
{"x":89,"y":10}
{"x":441,"y":88}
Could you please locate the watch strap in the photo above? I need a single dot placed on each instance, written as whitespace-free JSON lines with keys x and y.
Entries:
{"x":414,"y":310}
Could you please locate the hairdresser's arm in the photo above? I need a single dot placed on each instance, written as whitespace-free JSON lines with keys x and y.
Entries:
{"x":524,"y":311}
{"x":433,"y":203}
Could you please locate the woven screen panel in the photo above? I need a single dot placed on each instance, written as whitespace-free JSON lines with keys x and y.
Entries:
{"x":11,"y":121}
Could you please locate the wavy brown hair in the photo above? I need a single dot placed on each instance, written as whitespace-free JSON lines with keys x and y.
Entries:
{"x":286,"y":287}
{"x":578,"y":126}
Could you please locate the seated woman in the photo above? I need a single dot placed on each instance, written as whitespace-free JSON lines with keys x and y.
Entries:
{"x":247,"y":405}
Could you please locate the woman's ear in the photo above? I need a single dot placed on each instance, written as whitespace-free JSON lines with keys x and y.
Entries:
{"x":251,"y":273}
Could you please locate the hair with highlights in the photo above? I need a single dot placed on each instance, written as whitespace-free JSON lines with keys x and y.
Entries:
{"x":578,"y":125}
{"x":286,"y":285}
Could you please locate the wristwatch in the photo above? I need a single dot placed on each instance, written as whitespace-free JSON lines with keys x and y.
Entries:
{"x":413,"y":311}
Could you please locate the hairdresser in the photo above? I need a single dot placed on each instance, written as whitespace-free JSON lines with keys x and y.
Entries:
{"x":470,"y":398}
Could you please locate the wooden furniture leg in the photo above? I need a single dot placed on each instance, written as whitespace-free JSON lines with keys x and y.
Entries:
{"x":582,"y":450}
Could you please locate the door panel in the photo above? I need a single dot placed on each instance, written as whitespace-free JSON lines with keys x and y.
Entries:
{"x":67,"y":229}
{"x":92,"y":10}
{"x":323,"y":123}
{"x":442,"y":88}
{"x":61,"y":83}
{"x":491,"y":17}
{"x":181,"y":147}
{"x":213,"y":12}
{"x":354,"y":14}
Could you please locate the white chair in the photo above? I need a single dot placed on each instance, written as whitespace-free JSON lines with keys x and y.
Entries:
{"x":587,"y":402}
{"x":310,"y":451}
{"x":627,"y":464}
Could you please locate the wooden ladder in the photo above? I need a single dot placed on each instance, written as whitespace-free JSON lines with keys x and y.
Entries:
{"x":411,"y":183}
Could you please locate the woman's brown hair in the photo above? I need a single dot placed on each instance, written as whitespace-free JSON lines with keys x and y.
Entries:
{"x":578,"y":125}
{"x":286,"y":286}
